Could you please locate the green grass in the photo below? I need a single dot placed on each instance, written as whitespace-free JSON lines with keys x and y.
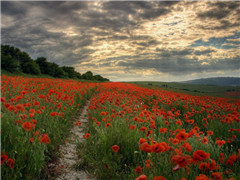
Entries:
{"x":193,"y":89}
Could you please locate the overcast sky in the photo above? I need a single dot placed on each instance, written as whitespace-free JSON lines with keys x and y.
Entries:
{"x":125,"y":41}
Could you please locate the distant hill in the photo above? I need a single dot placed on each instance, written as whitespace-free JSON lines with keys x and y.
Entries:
{"x":218,"y":81}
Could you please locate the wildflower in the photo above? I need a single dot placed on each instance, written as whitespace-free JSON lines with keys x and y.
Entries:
{"x":145,"y":147}
{"x":187,"y":146}
{"x":163,"y":130}
{"x":182,"y":136}
{"x":53,"y":114}
{"x":159,"y":178}
{"x":148,"y":163}
{"x":45,"y":139}
{"x":179,"y":122}
{"x":27,"y":126}
{"x":204,"y":140}
{"x":142,"y":177}
{"x":166,"y":122}
{"x":181,"y":160}
{"x":201,"y":177}
{"x":115,"y":148}
{"x":86,"y":136}
{"x":78,"y":123}
{"x":10,"y":163}
{"x":200,"y":155}
{"x":157,"y":148}
{"x":143,"y":129}
{"x":209,"y":133}
{"x":31,"y":115}
{"x":3,"y":158}
{"x":220,"y":142}
{"x":216,"y":176}
{"x":175,"y":141}
{"x":108,"y":124}
{"x":138,"y":170}
{"x":142,"y":140}
{"x":97,"y":123}
{"x":132,"y":127}
{"x":31,"y":140}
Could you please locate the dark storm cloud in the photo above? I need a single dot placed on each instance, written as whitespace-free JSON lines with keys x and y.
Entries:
{"x":31,"y":32}
{"x":141,"y":9}
{"x":172,"y":52}
{"x":219,"y":10}
{"x":13,"y":9}
{"x":178,"y":65}
{"x":75,"y":33}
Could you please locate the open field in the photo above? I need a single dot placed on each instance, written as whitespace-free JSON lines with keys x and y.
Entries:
{"x":194,"y":89}
{"x":133,"y":132}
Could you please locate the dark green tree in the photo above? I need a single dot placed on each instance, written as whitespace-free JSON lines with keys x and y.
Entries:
{"x":60,"y":73}
{"x":31,"y":67}
{"x":43,"y":64}
{"x":9,"y":59}
{"x":78,"y":75}
{"x":88,"y":75}
{"x":70,"y":71}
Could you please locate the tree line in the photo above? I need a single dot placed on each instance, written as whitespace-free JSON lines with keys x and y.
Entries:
{"x":14,"y":60}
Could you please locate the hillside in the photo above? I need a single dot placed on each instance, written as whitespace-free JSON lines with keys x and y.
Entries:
{"x":218,"y":81}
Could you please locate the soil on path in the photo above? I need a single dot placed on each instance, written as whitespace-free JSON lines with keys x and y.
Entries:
{"x":68,"y":152}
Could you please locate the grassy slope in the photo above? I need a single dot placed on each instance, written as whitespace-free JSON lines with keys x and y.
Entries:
{"x":193,"y":89}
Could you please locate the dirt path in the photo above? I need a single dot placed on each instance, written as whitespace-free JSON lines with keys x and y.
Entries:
{"x":68,"y":152}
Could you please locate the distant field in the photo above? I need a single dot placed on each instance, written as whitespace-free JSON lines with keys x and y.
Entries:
{"x":194,"y":89}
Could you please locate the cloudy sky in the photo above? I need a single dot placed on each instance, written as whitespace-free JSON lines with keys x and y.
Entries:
{"x":125,"y":41}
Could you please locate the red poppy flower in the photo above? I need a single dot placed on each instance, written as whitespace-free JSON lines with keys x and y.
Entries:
{"x":187,"y":146}
{"x":115,"y":148}
{"x":201,"y":177}
{"x":86,"y":136}
{"x":200,"y":155}
{"x":78,"y":123}
{"x":145,"y":147}
{"x":182,"y":136}
{"x":45,"y":139}
{"x":138,"y":170}
{"x":107,"y":125}
{"x":3,"y":158}
{"x":157,"y":148}
{"x":216,"y":176}
{"x":142,"y":177}
{"x":181,"y":160}
{"x":159,"y":178}
{"x":27,"y":126}
{"x":163,"y":130}
{"x":10,"y":163}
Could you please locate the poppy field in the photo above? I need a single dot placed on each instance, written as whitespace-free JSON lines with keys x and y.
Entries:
{"x":35,"y":116}
{"x":140,"y":133}
{"x":133,"y":132}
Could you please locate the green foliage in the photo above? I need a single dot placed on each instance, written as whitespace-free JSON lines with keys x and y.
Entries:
{"x":88,"y":75}
{"x":100,"y":78}
{"x":31,"y":67}
{"x":71,"y":73}
{"x":9,"y":63}
{"x":43,"y":64}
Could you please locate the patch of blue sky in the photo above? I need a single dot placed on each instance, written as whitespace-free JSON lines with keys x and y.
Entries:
{"x":220,"y":43}
{"x":172,"y":24}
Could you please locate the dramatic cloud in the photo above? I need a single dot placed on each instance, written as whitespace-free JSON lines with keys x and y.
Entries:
{"x":129,"y":40}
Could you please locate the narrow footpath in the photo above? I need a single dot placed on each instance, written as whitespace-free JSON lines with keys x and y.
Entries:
{"x":68,"y":152}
